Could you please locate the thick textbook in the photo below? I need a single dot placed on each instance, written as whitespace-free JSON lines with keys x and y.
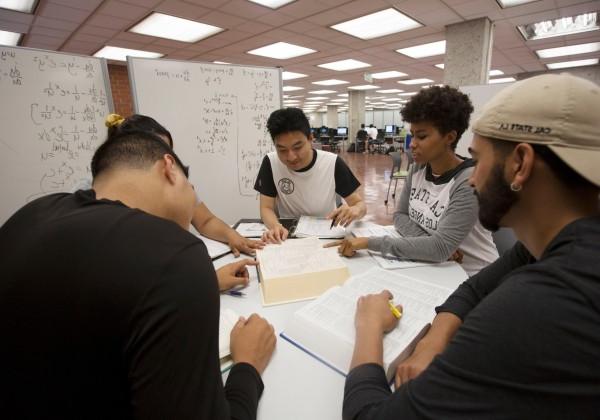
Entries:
{"x":298,"y":269}
{"x":325,"y":328}
{"x":227,"y":320}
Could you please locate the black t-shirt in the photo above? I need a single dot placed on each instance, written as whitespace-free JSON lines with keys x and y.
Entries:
{"x":527,"y":349}
{"x":109,"y":312}
{"x":345,"y":181}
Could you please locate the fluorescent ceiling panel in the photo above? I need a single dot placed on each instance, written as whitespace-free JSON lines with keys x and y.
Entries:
{"x":575,"y":63}
{"x":407,"y":94}
{"x":291,"y":88}
{"x":340,"y":100}
{"x":120,"y":54}
{"x":363,"y":87}
{"x":562,"y":26}
{"x":273,"y":4}
{"x":290,"y":75}
{"x":25,"y":6}
{"x":171,"y":27}
{"x":570,"y":50}
{"x":281,"y":51}
{"x":374,"y":25}
{"x":391,"y":99}
{"x":390,"y":91}
{"x":317,"y":98}
{"x":510,"y":3}
{"x":9,"y":38}
{"x":343,"y":95}
{"x":322,"y":92}
{"x":424,"y":50}
{"x":344,"y":65}
{"x":330,"y":82}
{"x":221,"y":62}
{"x":415,"y":81}
{"x":388,"y":74}
{"x":502,"y":80}
{"x":492,"y":72}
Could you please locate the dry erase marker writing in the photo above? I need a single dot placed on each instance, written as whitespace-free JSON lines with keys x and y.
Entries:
{"x":395,"y":310}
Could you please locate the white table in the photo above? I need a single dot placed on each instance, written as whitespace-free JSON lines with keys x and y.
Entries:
{"x":297,"y":386}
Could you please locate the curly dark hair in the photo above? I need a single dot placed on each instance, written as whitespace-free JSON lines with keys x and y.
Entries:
{"x":445,"y":107}
{"x":286,"y":120}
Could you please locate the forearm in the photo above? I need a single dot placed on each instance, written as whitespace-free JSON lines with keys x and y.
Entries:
{"x":443,"y":328}
{"x":269,"y":217}
{"x":361,"y":209}
{"x":215,"y":228}
{"x":368,"y":347}
{"x":243,"y":390}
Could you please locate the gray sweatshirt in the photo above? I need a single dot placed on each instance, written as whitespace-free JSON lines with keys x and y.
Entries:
{"x":437,"y":216}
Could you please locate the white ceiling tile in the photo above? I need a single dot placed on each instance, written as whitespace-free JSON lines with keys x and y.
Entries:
{"x":109,"y":22}
{"x":124,"y":11}
{"x":57,"y":11}
{"x":56,"y":23}
{"x":20,"y":28}
{"x":89,"y":5}
{"x":182,"y":9}
{"x":16,"y":17}
{"x":97,"y":31}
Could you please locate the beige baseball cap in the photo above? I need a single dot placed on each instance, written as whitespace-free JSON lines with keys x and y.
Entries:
{"x":560,"y":111}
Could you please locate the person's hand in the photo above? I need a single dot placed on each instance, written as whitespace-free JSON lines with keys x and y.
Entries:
{"x":252,"y":341}
{"x":414,"y":365}
{"x":373,"y":312}
{"x":344,"y":215}
{"x":238,"y":244}
{"x":457,"y":256}
{"x":276,"y":235}
{"x":234,"y":274}
{"x":349,"y":246}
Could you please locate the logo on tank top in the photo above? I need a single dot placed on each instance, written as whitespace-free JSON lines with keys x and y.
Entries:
{"x":286,"y":186}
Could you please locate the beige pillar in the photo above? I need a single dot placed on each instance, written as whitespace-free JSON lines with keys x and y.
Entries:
{"x":356,"y":112}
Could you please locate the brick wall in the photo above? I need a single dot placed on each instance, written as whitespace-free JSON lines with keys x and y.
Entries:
{"x":121,"y":92}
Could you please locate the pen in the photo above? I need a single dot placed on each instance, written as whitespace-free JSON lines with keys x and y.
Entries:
{"x":395,"y":310}
{"x":235,"y":293}
{"x":333,"y":220}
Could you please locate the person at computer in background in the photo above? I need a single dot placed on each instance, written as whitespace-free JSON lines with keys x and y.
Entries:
{"x":437,"y":210}
{"x":109,"y":306}
{"x":297,"y":180}
{"x":520,"y":339}
{"x":203,"y":220}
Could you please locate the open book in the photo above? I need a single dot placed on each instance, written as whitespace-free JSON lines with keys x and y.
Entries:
{"x":227,"y":320}
{"x":215,"y":249}
{"x":325,"y":328}
{"x":298,"y":269}
{"x":318,"y":226}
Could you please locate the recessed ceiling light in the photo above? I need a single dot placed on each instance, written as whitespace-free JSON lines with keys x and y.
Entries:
{"x":502,"y":80}
{"x":273,"y":4}
{"x":415,"y":81}
{"x":575,"y":63}
{"x":343,"y":95}
{"x":340,"y":100}
{"x":120,"y":54}
{"x":343,"y":65}
{"x":332,"y":104}
{"x":491,"y":73}
{"x":290,"y":75}
{"x":363,"y":87}
{"x":9,"y":38}
{"x":391,"y":99}
{"x":25,"y":6}
{"x":317,"y":98}
{"x":510,"y":3}
{"x":390,"y":91}
{"x":424,"y":50}
{"x":291,"y":88}
{"x":221,"y":62}
{"x":374,"y":25}
{"x":281,"y":51}
{"x":330,"y":82}
{"x":407,"y":94}
{"x":570,"y":50}
{"x":376,"y":97}
{"x":388,"y":75}
{"x":171,"y":27}
{"x":562,"y":26}
{"x":322,"y":92}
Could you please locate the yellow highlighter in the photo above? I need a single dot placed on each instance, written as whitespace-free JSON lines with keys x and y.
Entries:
{"x":395,"y":310}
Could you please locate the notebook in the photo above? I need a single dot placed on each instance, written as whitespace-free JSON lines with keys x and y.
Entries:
{"x":319,"y":227}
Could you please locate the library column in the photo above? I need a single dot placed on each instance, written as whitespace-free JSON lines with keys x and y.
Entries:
{"x":468,"y":53}
{"x":356,"y":112}
{"x":332,"y":116}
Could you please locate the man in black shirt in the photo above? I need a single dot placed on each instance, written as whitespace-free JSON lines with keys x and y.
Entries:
{"x":520,"y":339}
{"x":109,"y":308}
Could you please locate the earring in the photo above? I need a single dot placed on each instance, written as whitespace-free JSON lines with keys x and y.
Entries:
{"x":515,"y":187}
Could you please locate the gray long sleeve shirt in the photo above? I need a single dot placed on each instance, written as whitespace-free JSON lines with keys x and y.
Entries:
{"x":437,"y":216}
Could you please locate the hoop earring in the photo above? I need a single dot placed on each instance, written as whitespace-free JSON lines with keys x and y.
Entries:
{"x":515,"y":187}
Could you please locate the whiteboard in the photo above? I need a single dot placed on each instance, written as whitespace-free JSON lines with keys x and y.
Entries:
{"x":52,"y":111}
{"x":217,"y":115}
{"x":479,"y":95}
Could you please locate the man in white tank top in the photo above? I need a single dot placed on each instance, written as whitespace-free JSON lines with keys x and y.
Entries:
{"x":298,"y":180}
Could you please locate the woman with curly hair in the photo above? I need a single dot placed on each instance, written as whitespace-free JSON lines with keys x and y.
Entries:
{"x":436,"y":215}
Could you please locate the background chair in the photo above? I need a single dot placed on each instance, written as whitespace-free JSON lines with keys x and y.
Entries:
{"x":396,"y":174}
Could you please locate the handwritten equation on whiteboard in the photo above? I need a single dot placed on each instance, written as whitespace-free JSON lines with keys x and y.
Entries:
{"x":54,"y":106}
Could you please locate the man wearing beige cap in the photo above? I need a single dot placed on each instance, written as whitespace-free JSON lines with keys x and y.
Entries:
{"x":521,"y":339}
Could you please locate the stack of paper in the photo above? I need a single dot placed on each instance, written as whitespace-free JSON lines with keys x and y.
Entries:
{"x":251,"y":230}
{"x":215,"y":248}
{"x":298,"y":269}
{"x":318,"y":227}
{"x":227,"y":320}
